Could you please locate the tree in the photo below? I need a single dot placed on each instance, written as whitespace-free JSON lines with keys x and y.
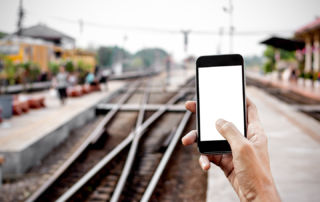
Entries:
{"x":269,"y":53}
{"x":150,"y":55}
{"x":2,"y":34}
{"x":109,"y":55}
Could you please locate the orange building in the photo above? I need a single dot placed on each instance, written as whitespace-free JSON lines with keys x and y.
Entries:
{"x":41,"y":44}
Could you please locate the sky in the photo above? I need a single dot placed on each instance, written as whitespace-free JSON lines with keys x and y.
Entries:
{"x":105,"y":22}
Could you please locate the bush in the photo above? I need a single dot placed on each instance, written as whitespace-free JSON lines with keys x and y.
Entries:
{"x":10,"y":71}
{"x":308,"y":75}
{"x":69,"y":66}
{"x":53,"y":68}
{"x":268,"y":67}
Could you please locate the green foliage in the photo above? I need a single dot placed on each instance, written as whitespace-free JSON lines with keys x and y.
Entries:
{"x":287,"y":55}
{"x":2,"y":34}
{"x":53,"y":68}
{"x":69,"y":66}
{"x":109,"y":55}
{"x":105,"y":56}
{"x":10,"y":71}
{"x":20,"y":73}
{"x":34,"y":72}
{"x":268,"y":67}
{"x":150,"y":55}
{"x":269,"y":54}
{"x":83,"y":66}
{"x":301,"y":75}
{"x":144,"y":58}
{"x":315,"y":76}
{"x":308,"y":75}
{"x":83,"y":69}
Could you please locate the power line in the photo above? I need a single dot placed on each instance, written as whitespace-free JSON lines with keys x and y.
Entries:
{"x":167,"y":31}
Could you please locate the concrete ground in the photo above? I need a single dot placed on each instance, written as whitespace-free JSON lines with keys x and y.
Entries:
{"x":294,"y":148}
{"x":26,"y":139}
{"x":20,"y":131}
{"x":299,"y":87}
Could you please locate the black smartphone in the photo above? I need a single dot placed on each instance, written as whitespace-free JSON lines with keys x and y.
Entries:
{"x":220,"y":85}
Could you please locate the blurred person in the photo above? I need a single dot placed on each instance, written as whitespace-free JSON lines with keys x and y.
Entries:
{"x":293,"y":75}
{"x":61,"y":83}
{"x":92,"y":80}
{"x":73,"y":79}
{"x":247,"y":167}
{"x":104,"y":78}
{"x":43,"y":76}
{"x":89,"y":78}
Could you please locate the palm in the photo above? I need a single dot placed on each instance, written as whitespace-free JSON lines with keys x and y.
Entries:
{"x":225,"y":162}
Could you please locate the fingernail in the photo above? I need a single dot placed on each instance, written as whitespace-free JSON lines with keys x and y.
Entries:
{"x":203,"y":162}
{"x":219,"y":122}
{"x":189,"y":133}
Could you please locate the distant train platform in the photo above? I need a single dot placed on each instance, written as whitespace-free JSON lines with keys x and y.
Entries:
{"x":294,"y":149}
{"x":26,"y":139}
{"x":306,"y":90}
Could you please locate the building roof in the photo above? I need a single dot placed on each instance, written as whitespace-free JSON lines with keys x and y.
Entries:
{"x":286,"y":44}
{"x":46,"y":33}
{"x":310,"y":27}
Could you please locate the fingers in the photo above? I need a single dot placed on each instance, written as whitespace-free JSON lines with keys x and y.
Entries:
{"x":189,"y":138}
{"x":252,"y":111}
{"x":231,"y":133}
{"x":204,"y":162}
{"x":191,"y":106}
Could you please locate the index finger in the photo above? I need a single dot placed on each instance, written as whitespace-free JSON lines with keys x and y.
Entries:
{"x":191,"y":106}
{"x":252,"y":111}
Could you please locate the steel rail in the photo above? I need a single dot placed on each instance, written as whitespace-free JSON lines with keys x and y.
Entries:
{"x":154,"y":181}
{"x":98,"y":131}
{"x":141,"y":129}
{"x":136,"y":107}
{"x":132,"y":153}
{"x":77,"y":153}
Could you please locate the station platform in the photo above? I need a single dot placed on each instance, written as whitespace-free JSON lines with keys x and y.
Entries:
{"x":304,"y":90}
{"x":26,"y":139}
{"x":294,"y":149}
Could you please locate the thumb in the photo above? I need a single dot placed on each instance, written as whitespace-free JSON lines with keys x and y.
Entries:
{"x":231,"y":133}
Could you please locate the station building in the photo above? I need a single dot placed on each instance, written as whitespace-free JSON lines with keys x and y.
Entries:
{"x":310,"y":34}
{"x":41,"y":44}
{"x":306,"y":44}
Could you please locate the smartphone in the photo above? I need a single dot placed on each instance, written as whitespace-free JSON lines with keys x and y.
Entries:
{"x":220,"y":85}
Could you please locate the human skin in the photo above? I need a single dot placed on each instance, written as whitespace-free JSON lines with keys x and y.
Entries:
{"x":247,"y":167}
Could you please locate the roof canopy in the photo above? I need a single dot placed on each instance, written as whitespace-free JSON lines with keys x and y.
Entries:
{"x":310,"y":27}
{"x":46,"y":33}
{"x":282,"y":43}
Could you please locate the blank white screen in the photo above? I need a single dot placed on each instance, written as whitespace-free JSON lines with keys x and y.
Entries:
{"x":220,"y":96}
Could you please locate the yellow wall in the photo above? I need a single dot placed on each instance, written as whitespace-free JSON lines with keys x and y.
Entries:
{"x":77,"y":56}
{"x":41,"y":55}
{"x":38,"y":54}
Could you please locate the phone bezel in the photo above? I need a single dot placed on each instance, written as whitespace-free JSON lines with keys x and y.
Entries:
{"x":218,"y":146}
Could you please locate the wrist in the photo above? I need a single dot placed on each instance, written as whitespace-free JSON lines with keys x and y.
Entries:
{"x":267,"y":192}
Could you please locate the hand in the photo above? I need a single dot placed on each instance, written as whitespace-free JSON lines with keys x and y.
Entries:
{"x":247,"y":167}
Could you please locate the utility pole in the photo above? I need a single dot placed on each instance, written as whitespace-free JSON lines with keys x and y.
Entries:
{"x":185,"y":39}
{"x":80,"y":26}
{"x":220,"y":41}
{"x":20,"y":18}
{"x":231,"y":27}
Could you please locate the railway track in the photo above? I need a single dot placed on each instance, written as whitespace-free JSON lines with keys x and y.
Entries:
{"x":126,"y":165}
{"x":306,"y":105}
